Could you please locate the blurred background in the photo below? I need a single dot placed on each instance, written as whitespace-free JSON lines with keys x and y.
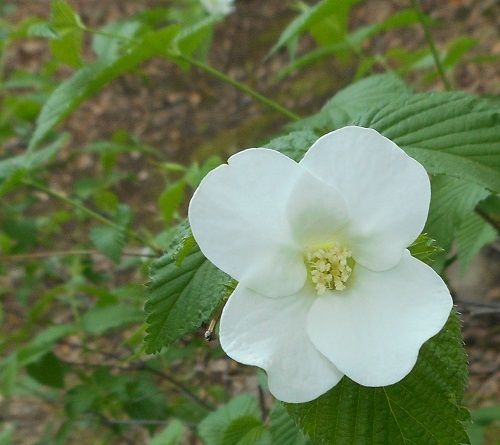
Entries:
{"x":72,"y":366}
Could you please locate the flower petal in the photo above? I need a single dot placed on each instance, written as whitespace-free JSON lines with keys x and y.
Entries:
{"x":316,"y":211}
{"x":372,"y":331}
{"x":271,"y":333}
{"x":387,"y":192}
{"x":238,"y":219}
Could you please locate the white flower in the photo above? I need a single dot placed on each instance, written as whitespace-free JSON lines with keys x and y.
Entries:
{"x":218,"y":7}
{"x":326,"y":285}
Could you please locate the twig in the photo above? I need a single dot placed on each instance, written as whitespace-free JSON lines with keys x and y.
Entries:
{"x":478,"y":308}
{"x":264,"y":412}
{"x":432,"y":46}
{"x":488,"y":219}
{"x":241,"y":87}
{"x":57,"y":195}
{"x":142,"y":366}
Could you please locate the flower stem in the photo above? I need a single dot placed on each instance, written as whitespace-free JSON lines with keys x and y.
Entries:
{"x":430,"y":41}
{"x":73,"y":203}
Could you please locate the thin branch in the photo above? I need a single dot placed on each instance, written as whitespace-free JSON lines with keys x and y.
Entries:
{"x":479,"y":308}
{"x":488,"y":219}
{"x":241,"y":87}
{"x":34,"y":255}
{"x":215,"y":73}
{"x":143,"y":366}
{"x":430,"y":41}
{"x":73,"y":203}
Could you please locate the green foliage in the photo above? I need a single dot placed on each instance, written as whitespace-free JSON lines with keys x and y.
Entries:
{"x":68,"y":29}
{"x":327,"y":19}
{"x":482,"y":420}
{"x":372,"y":92}
{"x":109,"y":240}
{"x":48,"y":370}
{"x":473,"y":234}
{"x":236,"y":423}
{"x":90,"y":79}
{"x":448,"y":133}
{"x":452,"y":201}
{"x":425,"y":248}
{"x":425,"y":407}
{"x":184,"y":291}
{"x":173,"y":434}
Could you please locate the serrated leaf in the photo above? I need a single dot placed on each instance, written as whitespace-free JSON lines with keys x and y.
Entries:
{"x":216,"y":425}
{"x":473,"y":234}
{"x":182,"y":294}
{"x":423,"y":409}
{"x":283,"y":429}
{"x":350,"y":102}
{"x":108,"y":240}
{"x":90,"y":79}
{"x":425,"y":248}
{"x":246,"y":430}
{"x":295,"y":144}
{"x":452,"y":200}
{"x":448,"y":133}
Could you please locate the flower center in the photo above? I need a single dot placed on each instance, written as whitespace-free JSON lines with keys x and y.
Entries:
{"x":329,"y":267}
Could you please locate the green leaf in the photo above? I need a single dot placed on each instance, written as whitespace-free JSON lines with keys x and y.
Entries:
{"x":425,"y":248}
{"x":43,"y":343}
{"x":48,"y":370}
{"x":246,"y":430}
{"x":108,"y":240}
{"x":452,"y":200}
{"x":100,"y":319}
{"x":192,"y":36}
{"x":350,"y":102}
{"x":173,"y":434}
{"x":473,"y":234}
{"x":182,"y":294}
{"x":107,"y":47}
{"x":294,"y":144}
{"x":309,"y":17}
{"x":14,"y":169}
{"x":231,"y":422}
{"x":90,"y":79}
{"x":423,"y":409}
{"x":283,"y":429}
{"x":171,"y":198}
{"x":449,"y":133}
{"x":67,"y":25}
{"x":457,"y":49}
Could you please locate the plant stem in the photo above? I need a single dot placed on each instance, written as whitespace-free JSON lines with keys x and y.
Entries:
{"x":240,"y":86}
{"x":214,"y":72}
{"x":492,"y":221}
{"x":432,"y":46}
{"x":131,"y":233}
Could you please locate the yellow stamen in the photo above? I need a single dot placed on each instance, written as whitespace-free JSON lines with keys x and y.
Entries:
{"x":329,"y":267}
